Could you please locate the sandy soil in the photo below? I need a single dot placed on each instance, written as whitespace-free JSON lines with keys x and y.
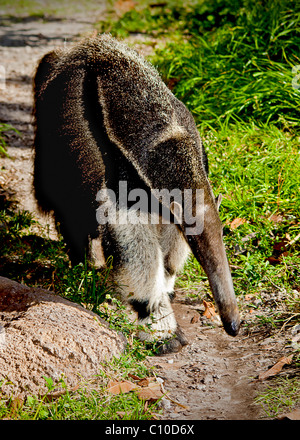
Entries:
{"x":212,"y":378}
{"x":215,"y":376}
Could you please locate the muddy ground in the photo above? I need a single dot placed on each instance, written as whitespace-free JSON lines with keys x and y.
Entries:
{"x":214,"y":376}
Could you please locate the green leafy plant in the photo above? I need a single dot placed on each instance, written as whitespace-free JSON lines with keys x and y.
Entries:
{"x":241,"y":70}
{"x":234,"y":72}
{"x":281,"y":397}
{"x":4,"y":128}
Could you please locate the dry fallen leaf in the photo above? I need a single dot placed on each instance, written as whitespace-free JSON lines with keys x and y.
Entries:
{"x":273,"y":261}
{"x":133,"y":376}
{"x":250,"y":296}
{"x":237,"y":222}
{"x":146,"y":381}
{"x":209,"y":311}
{"x":123,"y":6}
{"x":123,"y":387}
{"x":150,"y":393}
{"x":281,"y":246}
{"x":276,"y":368}
{"x":276,"y":218}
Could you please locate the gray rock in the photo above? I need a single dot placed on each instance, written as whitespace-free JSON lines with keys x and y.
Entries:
{"x":42,"y":334}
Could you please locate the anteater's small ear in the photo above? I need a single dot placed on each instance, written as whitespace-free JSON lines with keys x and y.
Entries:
{"x":218,"y":201}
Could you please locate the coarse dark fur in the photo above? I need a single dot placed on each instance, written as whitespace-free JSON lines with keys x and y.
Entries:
{"x":103,"y":115}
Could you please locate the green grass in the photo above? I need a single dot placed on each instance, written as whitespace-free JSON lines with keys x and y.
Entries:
{"x":241,"y":70}
{"x":234,"y":73}
{"x":226,"y":66}
{"x":256,"y":171}
{"x":91,"y":401}
{"x":36,"y":260}
{"x":280,"y":398}
{"x":168,"y":19}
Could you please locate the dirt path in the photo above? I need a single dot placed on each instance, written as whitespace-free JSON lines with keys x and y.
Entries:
{"x":215,"y":375}
{"x":211,"y":377}
{"x":22,"y":43}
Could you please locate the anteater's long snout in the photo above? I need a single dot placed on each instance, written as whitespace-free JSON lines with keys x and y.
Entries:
{"x":223,"y":291}
{"x":209,"y":250}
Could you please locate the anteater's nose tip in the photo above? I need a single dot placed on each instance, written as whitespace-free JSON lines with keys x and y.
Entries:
{"x":232,"y":327}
